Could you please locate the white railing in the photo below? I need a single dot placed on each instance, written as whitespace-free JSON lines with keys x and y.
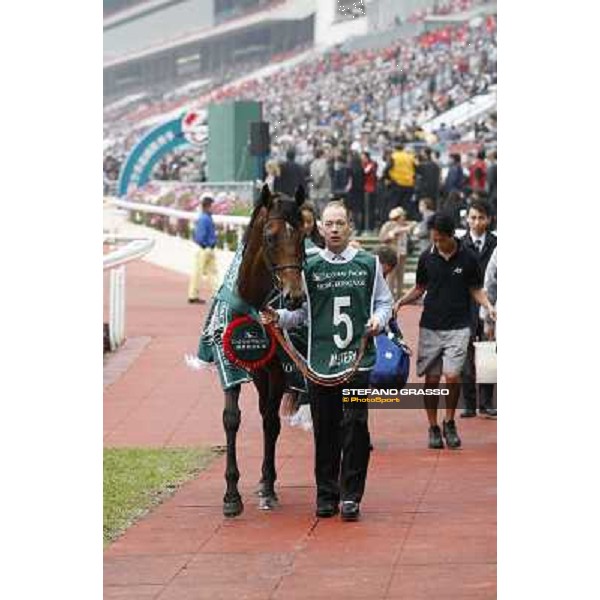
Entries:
{"x":175,"y":212}
{"x":115,"y":262}
{"x":238,"y":223}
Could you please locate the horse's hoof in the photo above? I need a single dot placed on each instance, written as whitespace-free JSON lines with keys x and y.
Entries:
{"x":233,"y":508}
{"x":268,"y":502}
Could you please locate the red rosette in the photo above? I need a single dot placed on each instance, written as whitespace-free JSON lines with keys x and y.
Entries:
{"x":230,"y":353}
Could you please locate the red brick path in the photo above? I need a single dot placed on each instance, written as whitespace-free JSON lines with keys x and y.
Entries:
{"x":429,"y":517}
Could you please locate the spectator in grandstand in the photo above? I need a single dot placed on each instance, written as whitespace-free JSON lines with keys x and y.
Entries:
{"x":106,"y":183}
{"x":388,"y":260}
{"x":312,"y":236}
{"x":428,"y":177}
{"x":394,"y":234}
{"x":455,"y":178}
{"x":340,"y":174}
{"x":341,"y":433}
{"x":451,"y":276}
{"x":273,"y":172}
{"x":400,"y":172}
{"x":492,"y":183}
{"x":175,"y":167}
{"x":356,"y":191}
{"x":443,"y":133}
{"x":291,"y":175}
{"x":482,"y":243}
{"x":205,"y":264}
{"x":456,"y":206}
{"x":422,"y":229}
{"x":111,"y":168}
{"x":454,"y":135}
{"x":478,"y":174}
{"x":490,"y":284}
{"x":162,"y":173}
{"x":320,"y":180}
{"x":370,"y":174}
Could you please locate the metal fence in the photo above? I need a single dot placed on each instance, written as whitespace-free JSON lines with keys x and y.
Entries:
{"x":115,"y":262}
{"x":245,"y":190}
{"x":226,"y":222}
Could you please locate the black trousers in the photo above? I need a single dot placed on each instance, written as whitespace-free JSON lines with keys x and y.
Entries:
{"x":469,"y":387}
{"x":403,"y":196}
{"x":370,"y":214}
{"x":342,"y":442}
{"x":356,"y":203}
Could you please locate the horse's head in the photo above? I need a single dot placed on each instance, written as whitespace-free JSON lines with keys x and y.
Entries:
{"x":283,"y":242}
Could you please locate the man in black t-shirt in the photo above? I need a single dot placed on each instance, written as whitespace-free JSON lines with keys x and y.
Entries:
{"x":451,"y":276}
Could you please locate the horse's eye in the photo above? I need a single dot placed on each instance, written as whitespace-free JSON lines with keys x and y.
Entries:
{"x":269,"y":238}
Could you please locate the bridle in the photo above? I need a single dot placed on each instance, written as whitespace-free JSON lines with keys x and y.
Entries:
{"x":271,"y":265}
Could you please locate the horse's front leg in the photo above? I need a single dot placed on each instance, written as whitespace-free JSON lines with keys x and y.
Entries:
{"x":270,"y":387}
{"x":232,"y":501}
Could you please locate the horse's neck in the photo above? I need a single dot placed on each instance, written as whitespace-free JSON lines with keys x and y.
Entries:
{"x":254,"y":281}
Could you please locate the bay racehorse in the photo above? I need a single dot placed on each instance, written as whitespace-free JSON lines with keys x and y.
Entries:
{"x":272,"y":261}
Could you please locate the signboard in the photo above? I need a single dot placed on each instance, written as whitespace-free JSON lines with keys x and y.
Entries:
{"x":178,"y":134}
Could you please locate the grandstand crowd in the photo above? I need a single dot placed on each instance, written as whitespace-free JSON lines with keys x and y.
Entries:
{"x":343,"y":121}
{"x":339,"y":97}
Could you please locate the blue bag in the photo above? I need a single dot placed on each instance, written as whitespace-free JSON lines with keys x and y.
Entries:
{"x":393,"y":359}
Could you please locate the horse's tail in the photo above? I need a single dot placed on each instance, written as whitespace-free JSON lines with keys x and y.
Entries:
{"x":290,"y":403}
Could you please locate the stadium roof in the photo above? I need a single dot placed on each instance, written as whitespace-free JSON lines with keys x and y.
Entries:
{"x":291,"y":10}
{"x":462,"y":17}
{"x":134,"y":11}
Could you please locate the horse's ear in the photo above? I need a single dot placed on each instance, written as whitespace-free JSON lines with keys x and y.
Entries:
{"x":300,"y":195}
{"x":265,"y":197}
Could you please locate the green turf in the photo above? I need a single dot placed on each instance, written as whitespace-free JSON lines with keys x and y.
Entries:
{"x":136,"y":479}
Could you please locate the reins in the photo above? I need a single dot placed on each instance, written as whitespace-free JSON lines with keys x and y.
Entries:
{"x":304,"y":368}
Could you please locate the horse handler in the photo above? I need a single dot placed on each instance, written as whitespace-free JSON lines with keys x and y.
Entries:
{"x":348,"y":302}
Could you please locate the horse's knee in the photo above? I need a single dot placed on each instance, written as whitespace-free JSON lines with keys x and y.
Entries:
{"x":231,"y":412}
{"x":271,"y":424}
{"x":231,"y":419}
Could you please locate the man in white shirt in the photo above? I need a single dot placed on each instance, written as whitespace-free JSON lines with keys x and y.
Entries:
{"x":347,"y":297}
{"x":482,"y":243}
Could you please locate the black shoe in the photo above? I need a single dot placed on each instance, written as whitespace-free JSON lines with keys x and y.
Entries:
{"x":451,"y":435}
{"x":468,"y":413}
{"x":325,"y":510}
{"x":490,"y":413}
{"x":196,"y":301}
{"x":435,"y":437}
{"x":350,"y":510}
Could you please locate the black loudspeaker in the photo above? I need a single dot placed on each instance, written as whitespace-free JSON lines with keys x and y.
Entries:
{"x":260,"y":140}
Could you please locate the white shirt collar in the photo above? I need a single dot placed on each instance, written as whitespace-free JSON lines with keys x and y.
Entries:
{"x":482,"y":238}
{"x":347,"y":255}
